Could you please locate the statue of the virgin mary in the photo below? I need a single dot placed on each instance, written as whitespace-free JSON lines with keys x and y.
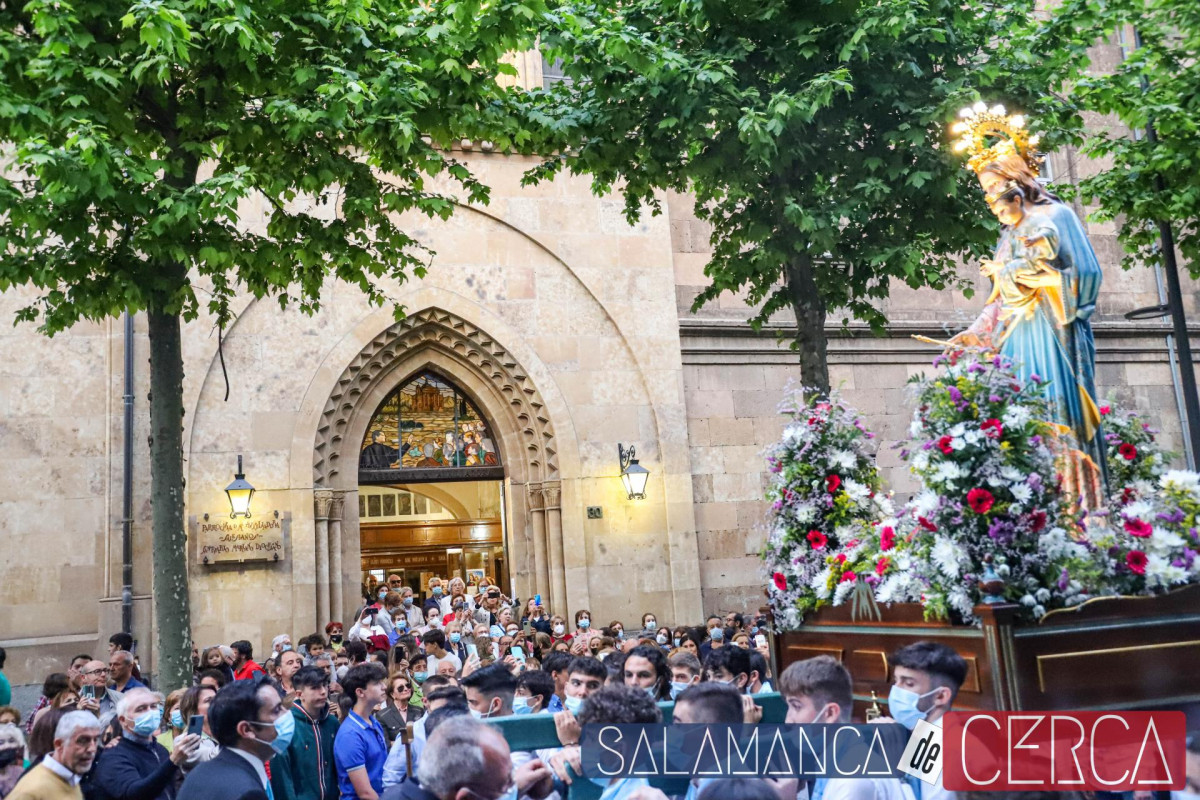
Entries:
{"x":1045,"y":281}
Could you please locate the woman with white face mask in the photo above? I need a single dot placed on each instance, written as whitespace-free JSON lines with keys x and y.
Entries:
{"x":558,"y":630}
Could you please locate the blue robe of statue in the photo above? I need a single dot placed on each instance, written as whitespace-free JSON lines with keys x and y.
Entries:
{"x":1046,"y":294}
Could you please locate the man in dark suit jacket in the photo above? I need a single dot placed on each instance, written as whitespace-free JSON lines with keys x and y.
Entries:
{"x":242,"y":719}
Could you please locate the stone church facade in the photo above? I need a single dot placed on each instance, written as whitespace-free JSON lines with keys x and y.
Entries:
{"x":570,"y":330}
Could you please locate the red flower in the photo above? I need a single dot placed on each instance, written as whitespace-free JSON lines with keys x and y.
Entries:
{"x":852,"y":543}
{"x":848,"y":575}
{"x":980,"y":500}
{"x":780,"y":581}
{"x":813,"y":421}
{"x":832,"y":482}
{"x":944,"y":445}
{"x":1127,"y":451}
{"x":882,"y":566}
{"x":992,"y":429}
{"x":1128,"y":495}
{"x":1105,"y":410}
{"x":926,"y":524}
{"x":1138,"y":528}
{"x":817,"y":540}
{"x":1037,"y":521}
{"x":841,"y":558}
{"x":887,"y":538}
{"x":1136,"y":560}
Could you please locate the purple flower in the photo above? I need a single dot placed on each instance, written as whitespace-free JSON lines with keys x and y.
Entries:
{"x":1035,"y":440}
{"x":927,"y":446}
{"x":1034,"y":480}
{"x":937,"y":362}
{"x":1064,"y":580}
{"x":1175,"y":516}
{"x":955,"y":394}
{"x":1035,"y":378}
{"x":904,"y":454}
{"x":1001,"y":531}
{"x":776,"y":465}
{"x":997,"y":361}
{"x":778,"y":504}
{"x":974,"y":368}
{"x":994,"y":398}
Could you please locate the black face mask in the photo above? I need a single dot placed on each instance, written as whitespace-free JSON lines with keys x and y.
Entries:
{"x":9,"y":756}
{"x":337,"y":637}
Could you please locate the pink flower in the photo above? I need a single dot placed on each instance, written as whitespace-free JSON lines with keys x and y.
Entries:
{"x":944,"y":445}
{"x":1127,"y":451}
{"x":1136,"y":560}
{"x":980,"y":500}
{"x":780,"y":581}
{"x":882,"y":566}
{"x":1105,"y":410}
{"x":1138,"y":528}
{"x":992,"y":429}
{"x":848,"y":575}
{"x":832,"y":482}
{"x":817,"y":540}
{"x":887,"y":538}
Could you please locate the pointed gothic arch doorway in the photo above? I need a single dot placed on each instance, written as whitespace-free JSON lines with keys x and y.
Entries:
{"x":431,"y":493}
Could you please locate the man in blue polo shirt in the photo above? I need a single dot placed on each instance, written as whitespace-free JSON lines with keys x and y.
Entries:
{"x":360,"y":749}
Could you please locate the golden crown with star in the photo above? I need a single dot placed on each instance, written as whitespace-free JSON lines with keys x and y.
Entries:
{"x":986,"y":134}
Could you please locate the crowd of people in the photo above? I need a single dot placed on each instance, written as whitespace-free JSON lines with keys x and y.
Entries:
{"x":398,"y":708}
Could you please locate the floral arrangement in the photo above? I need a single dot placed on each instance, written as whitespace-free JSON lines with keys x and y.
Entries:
{"x":1135,"y":461}
{"x":1152,"y":542}
{"x":991,"y":520}
{"x":825,"y":494}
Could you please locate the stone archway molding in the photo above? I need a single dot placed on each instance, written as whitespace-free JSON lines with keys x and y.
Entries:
{"x":535,"y":474}
{"x":433,"y":326}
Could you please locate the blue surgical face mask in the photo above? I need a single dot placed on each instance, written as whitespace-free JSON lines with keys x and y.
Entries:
{"x":382,"y":593}
{"x":521,"y":705}
{"x":437,"y":591}
{"x":285,"y":728}
{"x":456,"y":638}
{"x":420,"y":677}
{"x":479,"y":714}
{"x":573,"y":704}
{"x":408,"y":601}
{"x":678,"y":641}
{"x":285,"y":648}
{"x":902,"y":705}
{"x":652,"y":691}
{"x":651,"y":625}
{"x":717,"y":634}
{"x":677,"y":688}
{"x":585,"y":623}
{"x":176,"y":718}
{"x":146,"y":724}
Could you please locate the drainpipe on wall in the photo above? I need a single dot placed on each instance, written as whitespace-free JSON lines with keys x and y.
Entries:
{"x":127,"y":487}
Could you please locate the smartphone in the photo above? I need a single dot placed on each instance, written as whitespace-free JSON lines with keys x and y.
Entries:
{"x":527,"y":628}
{"x":517,"y":653}
{"x":761,"y":640}
{"x":87,"y":693}
{"x":196,"y":724}
{"x":537,"y":599}
{"x":472,"y":650}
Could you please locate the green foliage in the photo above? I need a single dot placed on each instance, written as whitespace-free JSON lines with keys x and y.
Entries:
{"x":1145,"y":180}
{"x":140,"y":137}
{"x":809,"y":133}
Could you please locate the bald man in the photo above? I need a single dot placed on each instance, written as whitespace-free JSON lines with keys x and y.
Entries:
{"x":120,"y":670}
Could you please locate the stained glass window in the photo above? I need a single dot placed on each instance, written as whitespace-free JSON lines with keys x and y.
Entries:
{"x":427,"y":424}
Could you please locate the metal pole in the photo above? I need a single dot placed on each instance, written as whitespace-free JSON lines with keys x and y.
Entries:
{"x":1183,"y":344}
{"x":127,"y":487}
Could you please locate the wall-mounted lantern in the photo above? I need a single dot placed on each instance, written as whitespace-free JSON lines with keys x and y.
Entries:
{"x":239,"y":493}
{"x":633,"y":474}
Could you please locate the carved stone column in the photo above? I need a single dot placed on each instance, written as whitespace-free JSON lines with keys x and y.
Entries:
{"x":336,"y":577}
{"x":552,"y":493}
{"x":537,"y":518}
{"x":322,"y":500}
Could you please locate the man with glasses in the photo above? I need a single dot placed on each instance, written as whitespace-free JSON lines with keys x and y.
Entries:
{"x":93,"y":680}
{"x":249,"y":721}
{"x":138,"y":767}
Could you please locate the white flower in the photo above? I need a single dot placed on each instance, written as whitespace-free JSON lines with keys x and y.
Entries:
{"x":1162,"y":539}
{"x":957,"y":443}
{"x":804,"y":513}
{"x":949,"y":472}
{"x":1011,"y":474}
{"x":973,"y":437}
{"x":1138,"y":510}
{"x":1039,"y":611}
{"x":914,"y":429}
{"x":947,"y":555}
{"x":841,"y":592}
{"x":1021,"y":492}
{"x":1015,"y":416}
{"x":1182,"y":479}
{"x":843,"y":459}
{"x":855,"y":490}
{"x":920,"y":461}
{"x":1042,"y":595}
{"x":1027,"y":600}
{"x":926,"y":502}
{"x":820,"y":584}
{"x":959,"y":429}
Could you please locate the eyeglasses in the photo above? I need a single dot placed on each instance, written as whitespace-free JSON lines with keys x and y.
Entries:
{"x":101,"y":671}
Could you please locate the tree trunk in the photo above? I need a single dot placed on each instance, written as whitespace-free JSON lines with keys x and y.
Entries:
{"x":810,"y":325}
{"x":172,"y":615}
